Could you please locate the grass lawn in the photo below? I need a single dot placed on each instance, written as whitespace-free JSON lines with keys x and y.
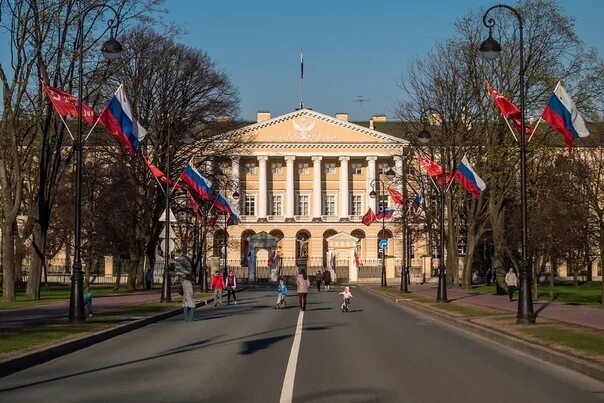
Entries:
{"x":584,"y":294}
{"x":32,"y":338}
{"x":57,"y":293}
{"x":459,"y":309}
{"x":591,"y":343}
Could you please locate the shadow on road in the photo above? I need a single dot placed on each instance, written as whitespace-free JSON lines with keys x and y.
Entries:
{"x":350,"y":394}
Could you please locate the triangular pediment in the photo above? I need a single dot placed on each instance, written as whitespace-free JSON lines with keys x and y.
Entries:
{"x":309,"y":127}
{"x":342,"y":236}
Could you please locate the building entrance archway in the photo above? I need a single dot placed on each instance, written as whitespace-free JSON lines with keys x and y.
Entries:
{"x":260,"y":241}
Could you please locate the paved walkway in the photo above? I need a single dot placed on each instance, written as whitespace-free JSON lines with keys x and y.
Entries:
{"x":575,"y":314}
{"x":14,"y":318}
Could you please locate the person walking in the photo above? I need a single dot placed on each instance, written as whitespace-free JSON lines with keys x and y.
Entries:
{"x":231,"y":285}
{"x":319,"y":280}
{"x":148,"y":279}
{"x":303,"y":285}
{"x":217,"y":285}
{"x":188,"y":298}
{"x":327,"y":279}
{"x":511,"y":280}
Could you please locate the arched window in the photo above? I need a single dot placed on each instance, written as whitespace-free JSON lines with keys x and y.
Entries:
{"x":327,"y":234}
{"x":279,"y":235}
{"x":359,"y":234}
{"x":302,"y":244}
{"x":245,"y":243}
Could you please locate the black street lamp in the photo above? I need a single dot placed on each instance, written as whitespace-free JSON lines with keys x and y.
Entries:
{"x":424,"y":137}
{"x":405,"y":229}
{"x":491,"y":49}
{"x":373,"y":195}
{"x":112,"y":50}
{"x":166,"y":287}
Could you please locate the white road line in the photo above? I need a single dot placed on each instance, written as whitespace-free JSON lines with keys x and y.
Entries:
{"x":287,"y":393}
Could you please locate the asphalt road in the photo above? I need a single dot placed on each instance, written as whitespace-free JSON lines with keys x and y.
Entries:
{"x":378,"y":352}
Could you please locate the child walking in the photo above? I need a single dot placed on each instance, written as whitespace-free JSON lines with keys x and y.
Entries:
{"x":282,"y":293}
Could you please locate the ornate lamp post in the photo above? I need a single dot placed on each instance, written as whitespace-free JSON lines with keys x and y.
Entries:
{"x":405,"y":227}
{"x":491,"y":49}
{"x":112,"y":50}
{"x":424,"y":137}
{"x":373,"y":195}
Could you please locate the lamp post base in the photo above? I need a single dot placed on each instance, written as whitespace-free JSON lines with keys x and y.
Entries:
{"x":76,"y":297}
{"x":441,"y":296}
{"x":405,"y":280}
{"x":166,"y":292}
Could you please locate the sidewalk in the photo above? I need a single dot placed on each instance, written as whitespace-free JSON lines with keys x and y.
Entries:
{"x":14,"y":318}
{"x":575,"y":314}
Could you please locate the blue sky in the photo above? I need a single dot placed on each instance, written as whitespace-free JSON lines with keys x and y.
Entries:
{"x":351,"y":47}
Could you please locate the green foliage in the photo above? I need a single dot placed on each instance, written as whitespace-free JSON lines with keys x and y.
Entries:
{"x":58,"y":293}
{"x":577,"y":339}
{"x":584,"y":294}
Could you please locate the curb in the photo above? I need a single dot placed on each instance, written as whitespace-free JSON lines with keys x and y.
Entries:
{"x":582,"y":366}
{"x":27,"y":360}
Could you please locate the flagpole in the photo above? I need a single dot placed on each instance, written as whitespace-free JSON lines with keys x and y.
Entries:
{"x":535,"y":128}
{"x":510,"y":126}
{"x":301,"y":78}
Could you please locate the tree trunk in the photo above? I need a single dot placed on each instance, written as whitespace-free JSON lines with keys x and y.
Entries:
{"x":552,"y":276}
{"x":452,"y":262}
{"x":468,"y":263}
{"x":8,"y":263}
{"x":117,"y":262}
{"x":37,"y":261}
{"x":601,"y":219}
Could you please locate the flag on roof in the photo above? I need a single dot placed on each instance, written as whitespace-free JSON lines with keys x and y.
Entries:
{"x":118,"y":119}
{"x":67,"y":105}
{"x":469,"y":178}
{"x":562,"y":114}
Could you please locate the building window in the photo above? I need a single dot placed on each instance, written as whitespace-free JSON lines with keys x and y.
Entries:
{"x":302,"y":205}
{"x":276,"y":205}
{"x":250,"y":205}
{"x":250,"y":168}
{"x":303,"y":168}
{"x":276,"y":168}
{"x":330,"y":168}
{"x":355,"y":167}
{"x":329,"y":205}
{"x":383,"y":167}
{"x":355,"y":205}
{"x":383,"y":203}
{"x":412,"y":249}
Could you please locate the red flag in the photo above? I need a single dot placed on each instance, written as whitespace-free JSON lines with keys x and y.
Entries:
{"x":433,"y":169}
{"x":396,"y":196}
{"x":195,"y":207}
{"x":369,"y":217}
{"x":158,"y":173}
{"x":67,"y":105}
{"x":507,"y":108}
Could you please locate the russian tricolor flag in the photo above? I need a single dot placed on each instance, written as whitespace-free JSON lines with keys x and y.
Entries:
{"x":470,"y":179}
{"x":118,"y":120}
{"x":222,"y":204}
{"x":562,"y":114}
{"x":197,"y":182}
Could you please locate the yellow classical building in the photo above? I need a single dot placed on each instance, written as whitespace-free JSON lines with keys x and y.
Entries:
{"x":306,"y":179}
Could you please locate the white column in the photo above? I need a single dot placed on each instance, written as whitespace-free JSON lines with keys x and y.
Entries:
{"x":316,"y":188}
{"x":289,"y":188}
{"x":235,"y":176}
{"x":371,"y":202}
{"x":344,"y":193}
{"x":262,"y":188}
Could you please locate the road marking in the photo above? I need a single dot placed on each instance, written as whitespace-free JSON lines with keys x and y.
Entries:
{"x":287,"y":392}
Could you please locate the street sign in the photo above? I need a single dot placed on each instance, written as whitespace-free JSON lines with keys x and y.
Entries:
{"x":171,"y":245}
{"x":163,"y":233}
{"x":383,"y":244}
{"x":163,"y":217}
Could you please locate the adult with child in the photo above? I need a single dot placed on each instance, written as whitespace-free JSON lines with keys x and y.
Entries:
{"x":303,"y":284}
{"x":188,"y":298}
{"x":217,"y":285}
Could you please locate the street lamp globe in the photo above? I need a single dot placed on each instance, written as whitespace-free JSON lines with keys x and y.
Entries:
{"x":424,"y":136}
{"x":112,"y":49}
{"x":390,"y":173}
{"x":490,"y":49}
{"x":372,"y":194}
{"x":236,"y":195}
